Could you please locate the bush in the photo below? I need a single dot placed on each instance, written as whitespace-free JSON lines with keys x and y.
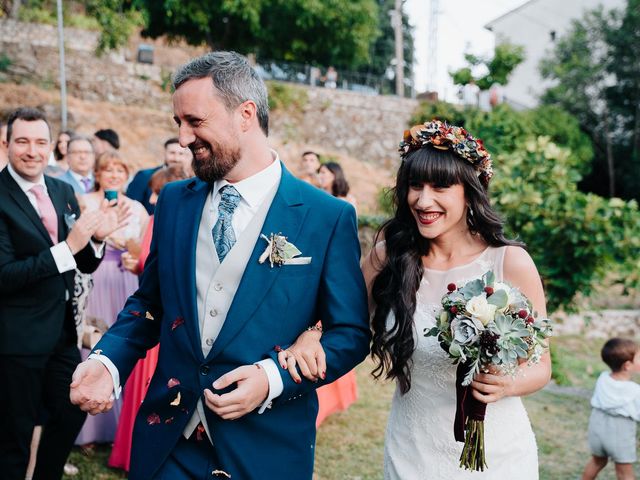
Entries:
{"x":5,"y":62}
{"x":574,"y":238}
{"x":283,"y":96}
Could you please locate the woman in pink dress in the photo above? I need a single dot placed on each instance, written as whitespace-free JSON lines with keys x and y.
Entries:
{"x":112,"y":284}
{"x":138,"y":382}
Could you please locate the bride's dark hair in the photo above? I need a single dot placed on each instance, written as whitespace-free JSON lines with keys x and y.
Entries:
{"x":394,"y":288}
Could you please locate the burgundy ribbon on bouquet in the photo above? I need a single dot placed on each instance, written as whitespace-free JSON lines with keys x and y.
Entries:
{"x":466,"y":404}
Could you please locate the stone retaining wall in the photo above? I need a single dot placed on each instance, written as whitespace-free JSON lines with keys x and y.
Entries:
{"x":600,"y":324}
{"x":33,"y":51}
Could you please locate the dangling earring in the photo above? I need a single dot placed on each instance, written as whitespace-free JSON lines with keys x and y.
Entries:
{"x":471,"y":221}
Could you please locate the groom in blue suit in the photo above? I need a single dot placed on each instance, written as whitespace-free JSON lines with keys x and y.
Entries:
{"x":244,"y":258}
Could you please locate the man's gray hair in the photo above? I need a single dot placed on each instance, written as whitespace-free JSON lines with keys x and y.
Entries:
{"x":234,"y":79}
{"x":78,"y":138}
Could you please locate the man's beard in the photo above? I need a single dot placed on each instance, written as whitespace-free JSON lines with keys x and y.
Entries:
{"x":218,"y":164}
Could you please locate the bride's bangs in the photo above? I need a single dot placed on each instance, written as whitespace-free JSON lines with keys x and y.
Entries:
{"x":434,"y":167}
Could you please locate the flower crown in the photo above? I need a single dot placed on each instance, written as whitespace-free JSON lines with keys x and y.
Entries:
{"x":443,"y":136}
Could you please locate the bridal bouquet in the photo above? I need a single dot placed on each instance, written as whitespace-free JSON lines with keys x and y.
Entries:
{"x":485,"y":323}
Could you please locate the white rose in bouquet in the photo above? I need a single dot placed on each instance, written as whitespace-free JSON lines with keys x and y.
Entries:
{"x":479,"y":308}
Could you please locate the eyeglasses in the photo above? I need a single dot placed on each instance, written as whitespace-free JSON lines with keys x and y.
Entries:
{"x":81,"y":152}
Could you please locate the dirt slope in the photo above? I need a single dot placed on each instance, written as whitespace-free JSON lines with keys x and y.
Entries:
{"x":143,"y":132}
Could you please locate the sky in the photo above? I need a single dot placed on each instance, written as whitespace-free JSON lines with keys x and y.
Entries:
{"x":460,"y":30}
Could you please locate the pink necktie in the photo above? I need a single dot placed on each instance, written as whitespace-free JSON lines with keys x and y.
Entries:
{"x":48,"y":214}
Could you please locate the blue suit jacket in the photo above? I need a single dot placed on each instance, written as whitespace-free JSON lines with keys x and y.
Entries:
{"x":139,"y":188}
{"x":272,"y":306}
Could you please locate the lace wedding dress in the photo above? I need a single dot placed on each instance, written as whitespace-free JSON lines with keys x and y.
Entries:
{"x":419,"y":442}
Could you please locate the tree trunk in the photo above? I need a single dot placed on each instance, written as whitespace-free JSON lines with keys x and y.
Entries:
{"x":636,"y":136}
{"x":15,"y":8}
{"x":609,"y":150}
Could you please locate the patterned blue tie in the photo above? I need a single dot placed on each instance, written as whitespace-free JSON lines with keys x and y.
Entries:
{"x":223,"y":234}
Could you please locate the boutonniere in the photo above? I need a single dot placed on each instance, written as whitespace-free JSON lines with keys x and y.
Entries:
{"x":70,"y":220}
{"x":280,"y":252}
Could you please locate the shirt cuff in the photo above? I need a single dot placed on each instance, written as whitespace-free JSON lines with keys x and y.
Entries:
{"x":115,"y":375}
{"x":98,"y":247}
{"x":63,"y":257}
{"x":275,"y":382}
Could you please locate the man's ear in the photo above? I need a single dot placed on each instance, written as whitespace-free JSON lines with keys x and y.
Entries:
{"x":248,"y":113}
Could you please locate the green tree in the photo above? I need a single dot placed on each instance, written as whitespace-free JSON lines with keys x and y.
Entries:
{"x":505,"y":58}
{"x":382,"y":51}
{"x":117,"y":20}
{"x":596,"y":74}
{"x":329,"y":32}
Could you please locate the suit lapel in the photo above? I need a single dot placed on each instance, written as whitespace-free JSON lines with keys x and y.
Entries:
{"x":61,"y":206}
{"x":285,"y":216}
{"x":187,"y":224}
{"x":24,"y":204}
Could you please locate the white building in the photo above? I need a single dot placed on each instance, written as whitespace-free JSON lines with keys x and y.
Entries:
{"x":537,"y":25}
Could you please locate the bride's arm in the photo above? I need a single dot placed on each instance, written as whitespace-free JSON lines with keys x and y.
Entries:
{"x":519,"y":271}
{"x":306,"y":353}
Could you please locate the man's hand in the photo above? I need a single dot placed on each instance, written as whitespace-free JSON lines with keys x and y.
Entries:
{"x":115,"y":216}
{"x":92,"y":387}
{"x":252,"y":390}
{"x":83,"y":229}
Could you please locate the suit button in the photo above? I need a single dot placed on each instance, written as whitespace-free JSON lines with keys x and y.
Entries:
{"x":213,"y":312}
{"x":204,"y":369}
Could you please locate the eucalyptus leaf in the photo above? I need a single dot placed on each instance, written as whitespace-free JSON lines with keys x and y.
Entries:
{"x":433,"y":332}
{"x":499,"y":299}
{"x":489,"y":278}
{"x":472,"y":289}
{"x":455,"y":350}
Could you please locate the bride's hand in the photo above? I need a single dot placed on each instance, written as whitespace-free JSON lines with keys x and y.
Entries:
{"x":491,"y":387}
{"x":307,"y":354}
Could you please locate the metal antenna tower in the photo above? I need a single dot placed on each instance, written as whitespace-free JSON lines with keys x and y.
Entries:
{"x":432,"y":57}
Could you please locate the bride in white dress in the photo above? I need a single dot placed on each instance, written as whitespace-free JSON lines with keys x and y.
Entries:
{"x":443,"y":231}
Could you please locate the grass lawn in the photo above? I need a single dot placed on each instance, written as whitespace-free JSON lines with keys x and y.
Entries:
{"x":350,"y":444}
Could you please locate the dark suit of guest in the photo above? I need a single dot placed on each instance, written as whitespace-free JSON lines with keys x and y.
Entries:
{"x":140,"y":190}
{"x":38,"y":343}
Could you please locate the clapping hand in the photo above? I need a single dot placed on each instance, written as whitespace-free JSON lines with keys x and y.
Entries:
{"x":92,"y":387}
{"x":307,"y":354}
{"x":98,"y":224}
{"x":114,"y":217}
